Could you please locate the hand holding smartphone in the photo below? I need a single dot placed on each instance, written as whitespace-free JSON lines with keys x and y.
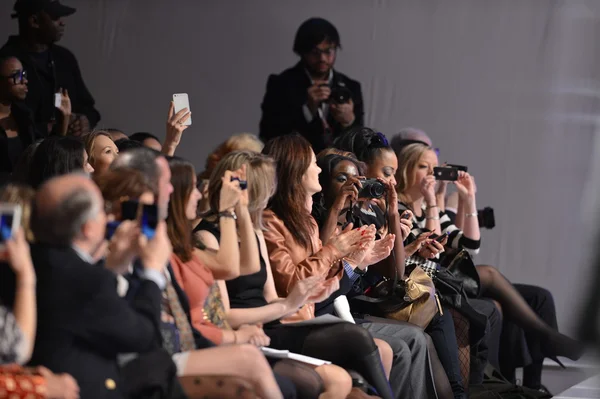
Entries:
{"x":180,"y":102}
{"x":133,"y":210}
{"x":10,"y":220}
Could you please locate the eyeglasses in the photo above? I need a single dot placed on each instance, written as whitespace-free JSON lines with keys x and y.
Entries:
{"x":317,"y":52}
{"x":17,"y":77}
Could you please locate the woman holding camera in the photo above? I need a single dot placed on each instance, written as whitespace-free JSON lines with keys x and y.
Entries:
{"x":346,"y":197}
{"x":416,"y":188}
{"x":296,"y":252}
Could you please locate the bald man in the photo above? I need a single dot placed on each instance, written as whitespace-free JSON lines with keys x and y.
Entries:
{"x":83,"y":324}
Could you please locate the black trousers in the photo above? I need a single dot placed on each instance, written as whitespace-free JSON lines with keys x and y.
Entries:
{"x":486,"y":350}
{"x":523,"y":349}
{"x":442,"y":333}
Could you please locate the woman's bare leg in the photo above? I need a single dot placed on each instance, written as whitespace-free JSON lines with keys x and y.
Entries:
{"x":244,"y":361}
{"x":387,"y":355}
{"x":336,"y":381}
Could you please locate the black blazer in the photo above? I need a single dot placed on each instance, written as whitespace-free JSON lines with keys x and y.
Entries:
{"x":42,"y":86}
{"x":282,"y":107}
{"x":83,"y":324}
{"x":135,"y":282}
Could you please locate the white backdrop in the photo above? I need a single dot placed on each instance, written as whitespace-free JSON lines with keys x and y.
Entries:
{"x":509,"y":88}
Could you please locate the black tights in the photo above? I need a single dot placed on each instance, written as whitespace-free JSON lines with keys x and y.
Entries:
{"x":352,"y":347}
{"x":494,"y":285}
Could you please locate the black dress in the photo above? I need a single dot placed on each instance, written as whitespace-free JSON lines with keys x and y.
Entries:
{"x":11,"y":148}
{"x":248,"y":292}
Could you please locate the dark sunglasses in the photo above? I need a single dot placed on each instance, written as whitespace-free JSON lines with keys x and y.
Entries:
{"x":17,"y":77}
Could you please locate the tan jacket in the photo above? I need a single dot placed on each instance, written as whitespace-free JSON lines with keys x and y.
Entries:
{"x":291,"y":263}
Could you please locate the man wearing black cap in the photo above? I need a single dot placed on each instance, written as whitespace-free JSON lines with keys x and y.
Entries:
{"x":311,"y":97}
{"x":49,"y":67}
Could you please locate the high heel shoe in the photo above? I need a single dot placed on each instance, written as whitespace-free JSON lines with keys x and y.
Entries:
{"x":554,"y":358}
{"x":557,"y":344}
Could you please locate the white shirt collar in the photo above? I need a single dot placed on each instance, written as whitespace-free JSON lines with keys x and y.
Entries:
{"x":83,"y":255}
{"x":312,"y":82}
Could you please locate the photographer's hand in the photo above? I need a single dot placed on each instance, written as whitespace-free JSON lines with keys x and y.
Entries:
{"x":343,"y":113}
{"x":317,"y":93}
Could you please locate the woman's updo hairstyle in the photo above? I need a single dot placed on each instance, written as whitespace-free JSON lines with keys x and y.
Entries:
{"x":364,"y":142}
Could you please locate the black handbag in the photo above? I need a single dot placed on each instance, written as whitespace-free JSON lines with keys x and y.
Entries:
{"x":457,"y":281}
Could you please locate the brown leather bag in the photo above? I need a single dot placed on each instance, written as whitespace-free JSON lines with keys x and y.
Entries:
{"x":420,"y":302}
{"x":413,"y":300}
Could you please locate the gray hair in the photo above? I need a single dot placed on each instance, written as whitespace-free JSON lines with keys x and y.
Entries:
{"x":62,"y":224}
{"x":141,"y":159}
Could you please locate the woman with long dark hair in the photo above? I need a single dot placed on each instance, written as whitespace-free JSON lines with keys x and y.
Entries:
{"x":296,"y":252}
{"x":57,"y":156}
{"x":196,"y":278}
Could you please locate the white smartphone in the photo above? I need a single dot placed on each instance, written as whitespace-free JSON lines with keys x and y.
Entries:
{"x":181,"y":101}
{"x":57,"y":100}
{"x":10,"y":220}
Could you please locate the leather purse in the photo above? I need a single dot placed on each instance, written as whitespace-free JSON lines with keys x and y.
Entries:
{"x":413,"y":300}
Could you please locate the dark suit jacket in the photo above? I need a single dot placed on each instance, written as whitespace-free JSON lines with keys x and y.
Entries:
{"x":42,"y":86}
{"x":83,"y":324}
{"x":282,"y":107}
{"x":135,"y":282}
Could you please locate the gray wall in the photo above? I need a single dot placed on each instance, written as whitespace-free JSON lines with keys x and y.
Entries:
{"x":508,"y":87}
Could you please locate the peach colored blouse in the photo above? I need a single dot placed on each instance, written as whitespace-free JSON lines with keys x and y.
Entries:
{"x":291,"y":263}
{"x":196,"y":279}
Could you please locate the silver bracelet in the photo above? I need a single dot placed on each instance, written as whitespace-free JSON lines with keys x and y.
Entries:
{"x":471,"y":215}
{"x":433,"y":218}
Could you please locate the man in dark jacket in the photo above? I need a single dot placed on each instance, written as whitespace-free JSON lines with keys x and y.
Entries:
{"x":49,"y":67}
{"x":311,"y":97}
{"x":82,"y":323}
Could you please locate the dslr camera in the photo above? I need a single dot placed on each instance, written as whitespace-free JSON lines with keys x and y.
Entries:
{"x":340,"y":94}
{"x":372,"y":188}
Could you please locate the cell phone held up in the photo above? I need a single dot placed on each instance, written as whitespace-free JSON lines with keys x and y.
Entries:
{"x":10,"y":220}
{"x":445,"y":173}
{"x":181,"y":101}
{"x":133,"y":210}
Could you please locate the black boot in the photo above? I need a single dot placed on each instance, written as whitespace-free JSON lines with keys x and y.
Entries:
{"x":557,"y":344}
{"x":371,"y":369}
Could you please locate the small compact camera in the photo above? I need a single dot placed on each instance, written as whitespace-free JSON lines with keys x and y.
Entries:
{"x":372,"y":188}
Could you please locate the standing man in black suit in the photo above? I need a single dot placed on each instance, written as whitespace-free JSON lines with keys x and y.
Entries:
{"x":83,"y":324}
{"x":50,"y":67}
{"x":312,"y":98}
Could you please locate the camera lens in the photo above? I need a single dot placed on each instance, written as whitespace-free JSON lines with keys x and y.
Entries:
{"x":377,"y":190}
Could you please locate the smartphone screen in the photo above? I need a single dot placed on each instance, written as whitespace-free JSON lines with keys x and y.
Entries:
{"x":6,"y":226}
{"x":129,"y":210}
{"x":181,"y":101}
{"x":111,"y":227}
{"x":149,"y":220}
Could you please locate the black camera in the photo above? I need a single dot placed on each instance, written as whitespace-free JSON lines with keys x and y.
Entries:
{"x":486,"y":218}
{"x":340,"y":94}
{"x":372,"y":188}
